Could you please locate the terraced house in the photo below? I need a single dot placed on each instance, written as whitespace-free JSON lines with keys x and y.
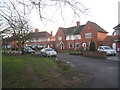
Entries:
{"x":37,"y":38}
{"x":79,"y":36}
{"x":41,"y":39}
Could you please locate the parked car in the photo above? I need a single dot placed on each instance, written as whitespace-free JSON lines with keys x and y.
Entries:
{"x":48,"y":52}
{"x":107,"y":49}
{"x":29,"y":50}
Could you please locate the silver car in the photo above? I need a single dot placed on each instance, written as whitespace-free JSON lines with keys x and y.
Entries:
{"x":48,"y":52}
{"x":107,"y":49}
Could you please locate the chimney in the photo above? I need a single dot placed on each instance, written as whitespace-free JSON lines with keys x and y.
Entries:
{"x":13,"y":34}
{"x":78,"y":23}
{"x":51,"y":33}
{"x":36,"y":30}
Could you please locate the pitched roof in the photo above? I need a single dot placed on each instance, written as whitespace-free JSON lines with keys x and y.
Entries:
{"x":109,"y":38}
{"x":35,"y":35}
{"x":117,"y":27}
{"x":98,"y":28}
{"x":73,"y":30}
{"x":41,"y":34}
{"x":77,"y":29}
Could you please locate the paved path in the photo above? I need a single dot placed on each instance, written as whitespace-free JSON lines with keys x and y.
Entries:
{"x":104,"y":71}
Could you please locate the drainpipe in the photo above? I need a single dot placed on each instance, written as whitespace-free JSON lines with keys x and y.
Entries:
{"x":74,"y":45}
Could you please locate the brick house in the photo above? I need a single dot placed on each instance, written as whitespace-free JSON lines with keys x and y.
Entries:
{"x":79,"y":36}
{"x":41,"y":39}
{"x":9,"y":43}
{"x":116,"y":34}
{"x":114,"y":39}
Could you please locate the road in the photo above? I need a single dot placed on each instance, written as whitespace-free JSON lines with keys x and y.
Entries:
{"x":114,"y":58}
{"x":104,"y":71}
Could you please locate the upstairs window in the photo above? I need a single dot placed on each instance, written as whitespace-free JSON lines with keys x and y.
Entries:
{"x":88,"y":35}
{"x":59,"y":37}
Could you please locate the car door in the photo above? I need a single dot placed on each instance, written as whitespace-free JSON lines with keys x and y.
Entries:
{"x":44,"y":52}
{"x":100,"y":49}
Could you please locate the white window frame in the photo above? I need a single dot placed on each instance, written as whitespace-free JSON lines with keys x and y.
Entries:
{"x":88,"y":35}
{"x":77,"y":37}
{"x":59,"y":37}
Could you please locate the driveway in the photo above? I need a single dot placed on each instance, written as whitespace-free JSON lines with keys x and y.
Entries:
{"x":114,"y":58}
{"x":104,"y":71}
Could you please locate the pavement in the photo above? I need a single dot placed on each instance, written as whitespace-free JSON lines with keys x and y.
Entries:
{"x":104,"y":71}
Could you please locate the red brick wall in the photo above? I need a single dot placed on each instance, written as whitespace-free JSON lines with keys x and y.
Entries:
{"x":60,"y":33}
{"x":101,"y":36}
{"x":96,"y":36}
{"x":89,"y":29}
{"x":14,"y":44}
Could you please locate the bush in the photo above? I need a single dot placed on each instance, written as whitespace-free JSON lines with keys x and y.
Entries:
{"x":92,"y":46}
{"x":81,"y":49}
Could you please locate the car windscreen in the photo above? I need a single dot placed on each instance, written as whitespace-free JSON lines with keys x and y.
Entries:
{"x":107,"y":48}
{"x":49,"y":50}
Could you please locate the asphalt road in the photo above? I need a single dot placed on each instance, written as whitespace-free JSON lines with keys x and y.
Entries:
{"x":104,"y":71}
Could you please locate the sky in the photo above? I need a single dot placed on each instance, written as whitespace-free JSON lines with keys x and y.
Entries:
{"x":102,"y":12}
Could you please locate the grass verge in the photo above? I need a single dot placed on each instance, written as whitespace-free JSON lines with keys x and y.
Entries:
{"x":27,"y":71}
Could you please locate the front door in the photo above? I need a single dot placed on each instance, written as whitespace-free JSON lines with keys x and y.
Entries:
{"x":84,"y":45}
{"x":61,"y":45}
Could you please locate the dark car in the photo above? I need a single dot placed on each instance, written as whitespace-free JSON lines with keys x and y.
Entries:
{"x":29,"y":50}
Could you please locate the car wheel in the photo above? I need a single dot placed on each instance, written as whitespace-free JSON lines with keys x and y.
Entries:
{"x":114,"y":54}
{"x":33,"y":53}
{"x":46,"y":55}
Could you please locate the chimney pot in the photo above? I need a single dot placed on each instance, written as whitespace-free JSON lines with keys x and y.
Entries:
{"x":36,"y":30}
{"x":78,"y":23}
{"x":13,"y":34}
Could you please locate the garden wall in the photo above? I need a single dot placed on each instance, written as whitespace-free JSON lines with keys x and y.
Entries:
{"x":95,"y":54}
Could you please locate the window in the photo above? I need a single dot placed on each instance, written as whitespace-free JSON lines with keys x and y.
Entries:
{"x":88,"y":35}
{"x":58,"y":45}
{"x":69,"y":37}
{"x":73,"y":37}
{"x":77,"y":45}
{"x":59,"y":38}
{"x":77,"y":37}
{"x":70,"y":45}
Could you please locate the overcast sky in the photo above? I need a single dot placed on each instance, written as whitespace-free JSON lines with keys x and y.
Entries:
{"x":102,"y":12}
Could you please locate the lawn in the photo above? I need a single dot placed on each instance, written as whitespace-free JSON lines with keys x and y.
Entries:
{"x":27,"y":71}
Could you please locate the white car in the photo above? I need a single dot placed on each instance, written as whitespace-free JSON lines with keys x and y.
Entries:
{"x":107,"y":49}
{"x":48,"y":52}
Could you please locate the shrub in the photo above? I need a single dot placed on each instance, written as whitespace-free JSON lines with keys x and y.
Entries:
{"x":81,"y":49}
{"x":92,"y":46}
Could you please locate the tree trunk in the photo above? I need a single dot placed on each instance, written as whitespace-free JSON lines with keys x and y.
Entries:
{"x":23,"y":52}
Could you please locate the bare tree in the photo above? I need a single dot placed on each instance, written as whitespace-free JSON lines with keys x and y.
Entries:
{"x":13,"y":13}
{"x":44,"y":6}
{"x":14,"y":22}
